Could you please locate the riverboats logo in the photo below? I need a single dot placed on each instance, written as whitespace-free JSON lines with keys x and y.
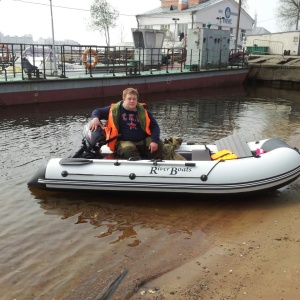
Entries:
{"x":169,"y":170}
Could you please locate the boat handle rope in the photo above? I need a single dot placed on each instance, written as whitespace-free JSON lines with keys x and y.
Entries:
{"x":204,"y":177}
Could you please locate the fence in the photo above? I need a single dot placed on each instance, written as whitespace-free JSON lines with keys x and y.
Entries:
{"x":30,"y":61}
{"x":263,"y":47}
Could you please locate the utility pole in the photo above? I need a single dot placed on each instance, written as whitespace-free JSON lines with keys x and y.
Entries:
{"x":175,"y":19}
{"x":53,"y":42}
{"x":238,"y":24}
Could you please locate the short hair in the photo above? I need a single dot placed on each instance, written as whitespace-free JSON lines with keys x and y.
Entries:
{"x":130,"y":91}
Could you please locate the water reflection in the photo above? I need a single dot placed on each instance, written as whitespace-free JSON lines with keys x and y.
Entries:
{"x":123,"y":215}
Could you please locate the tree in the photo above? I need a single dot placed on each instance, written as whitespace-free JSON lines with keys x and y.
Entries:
{"x":103,"y":17}
{"x":288,"y":13}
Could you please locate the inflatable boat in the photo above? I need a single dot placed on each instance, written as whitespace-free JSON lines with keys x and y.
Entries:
{"x":231,"y":165}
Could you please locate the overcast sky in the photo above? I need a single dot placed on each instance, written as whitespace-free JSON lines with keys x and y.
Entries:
{"x":19,"y":17}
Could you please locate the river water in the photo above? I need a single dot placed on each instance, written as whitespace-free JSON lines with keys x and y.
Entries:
{"x":74,"y":245}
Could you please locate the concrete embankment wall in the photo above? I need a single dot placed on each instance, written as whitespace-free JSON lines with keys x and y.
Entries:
{"x":275,"y":70}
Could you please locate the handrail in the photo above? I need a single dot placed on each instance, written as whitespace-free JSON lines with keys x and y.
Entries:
{"x":110,"y":60}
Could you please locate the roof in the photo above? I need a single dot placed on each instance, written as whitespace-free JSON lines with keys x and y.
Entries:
{"x":190,"y":9}
{"x":260,"y":30}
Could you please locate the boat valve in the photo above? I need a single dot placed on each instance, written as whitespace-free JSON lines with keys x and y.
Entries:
{"x":64,"y":173}
{"x":203,"y":177}
{"x":132,"y":176}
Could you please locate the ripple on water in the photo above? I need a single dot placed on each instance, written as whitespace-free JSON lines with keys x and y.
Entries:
{"x":63,"y":242}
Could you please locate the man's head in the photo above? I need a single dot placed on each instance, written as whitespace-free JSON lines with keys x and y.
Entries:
{"x":130,"y":98}
{"x":130,"y":91}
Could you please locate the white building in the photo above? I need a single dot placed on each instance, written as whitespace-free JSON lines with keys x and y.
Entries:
{"x":177,"y":16}
{"x":282,"y":43}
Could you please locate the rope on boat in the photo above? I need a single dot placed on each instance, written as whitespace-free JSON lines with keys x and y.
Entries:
{"x":204,"y":177}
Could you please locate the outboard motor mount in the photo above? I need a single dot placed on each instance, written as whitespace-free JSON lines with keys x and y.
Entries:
{"x":92,"y":141}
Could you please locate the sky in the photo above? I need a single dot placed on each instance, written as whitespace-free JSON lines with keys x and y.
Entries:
{"x":266,"y":13}
{"x":70,"y":18}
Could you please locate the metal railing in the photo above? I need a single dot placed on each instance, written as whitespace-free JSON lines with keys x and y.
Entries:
{"x":34,"y":61}
{"x":263,"y":47}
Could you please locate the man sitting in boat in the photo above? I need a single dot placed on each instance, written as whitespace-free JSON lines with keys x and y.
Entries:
{"x":138,"y":129}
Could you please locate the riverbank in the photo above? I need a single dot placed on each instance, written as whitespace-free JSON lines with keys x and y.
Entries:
{"x":248,"y":255}
{"x":275,"y":70}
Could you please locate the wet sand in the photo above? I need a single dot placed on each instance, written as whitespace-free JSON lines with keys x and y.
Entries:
{"x":255,"y":257}
{"x":172,"y":248}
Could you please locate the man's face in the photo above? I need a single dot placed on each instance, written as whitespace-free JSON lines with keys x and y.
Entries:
{"x":130,"y":102}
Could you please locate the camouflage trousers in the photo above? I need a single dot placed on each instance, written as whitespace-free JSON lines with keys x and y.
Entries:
{"x":129,"y":149}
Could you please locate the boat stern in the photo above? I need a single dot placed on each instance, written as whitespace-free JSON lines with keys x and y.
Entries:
{"x":39,"y":174}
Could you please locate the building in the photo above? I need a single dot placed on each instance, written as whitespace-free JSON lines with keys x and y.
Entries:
{"x":176,"y":17}
{"x":28,"y":39}
{"x":25,"y":39}
{"x":280,"y":43}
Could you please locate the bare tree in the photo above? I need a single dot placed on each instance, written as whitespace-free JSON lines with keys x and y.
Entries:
{"x":103,"y":17}
{"x":288,"y":13}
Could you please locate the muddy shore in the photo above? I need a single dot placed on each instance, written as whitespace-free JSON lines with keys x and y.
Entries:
{"x":172,"y":248}
{"x":253,"y":257}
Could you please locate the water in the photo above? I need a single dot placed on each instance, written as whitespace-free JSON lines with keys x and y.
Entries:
{"x":73,"y":245}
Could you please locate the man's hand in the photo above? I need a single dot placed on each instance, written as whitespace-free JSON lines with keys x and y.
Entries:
{"x":153,"y":147}
{"x":95,"y":123}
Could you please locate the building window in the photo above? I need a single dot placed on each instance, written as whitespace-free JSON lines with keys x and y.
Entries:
{"x":148,"y":27}
{"x":243,"y":34}
{"x":165,"y":27}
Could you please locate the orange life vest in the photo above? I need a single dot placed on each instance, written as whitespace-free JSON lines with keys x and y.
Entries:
{"x":112,"y":125}
{"x":224,"y":155}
